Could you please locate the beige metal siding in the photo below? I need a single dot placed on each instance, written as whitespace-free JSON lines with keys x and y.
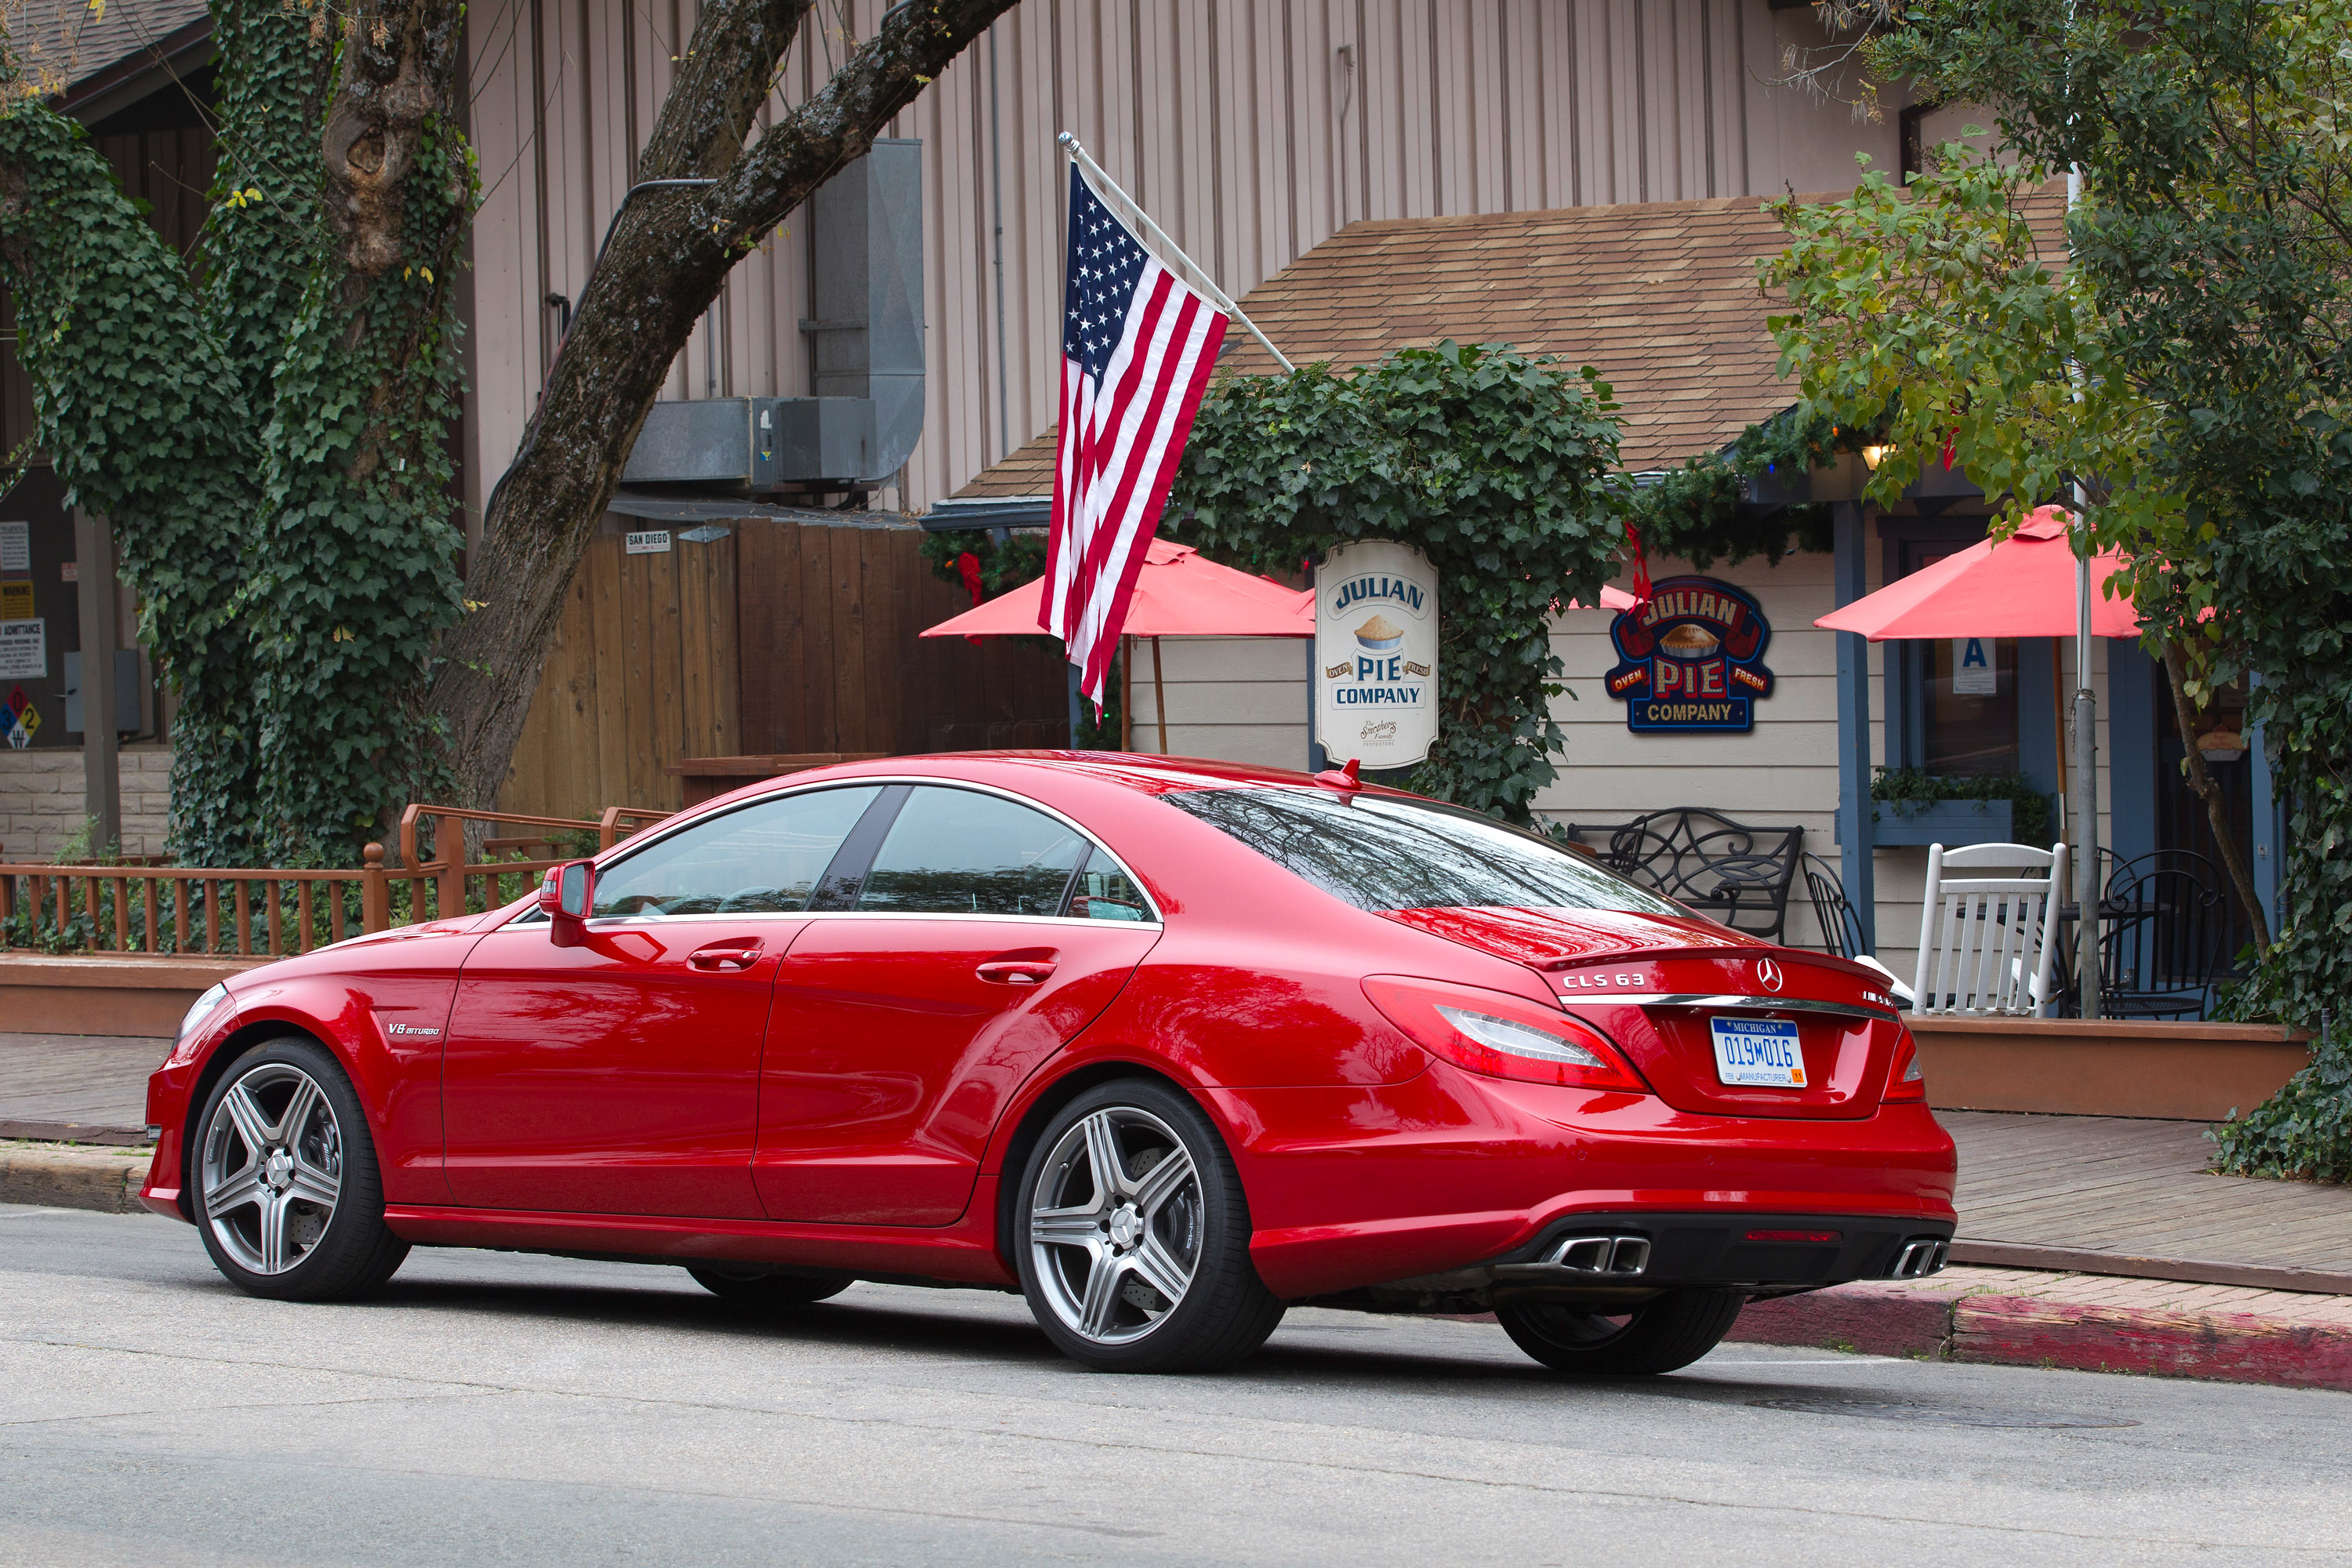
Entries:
{"x":1253,"y":130}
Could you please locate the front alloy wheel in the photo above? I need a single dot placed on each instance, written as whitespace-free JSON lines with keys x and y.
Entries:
{"x":284,"y":1180}
{"x":1132,"y":1235}
{"x":273,"y":1168}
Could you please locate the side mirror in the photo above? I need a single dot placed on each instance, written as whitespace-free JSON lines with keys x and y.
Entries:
{"x":567,"y":895}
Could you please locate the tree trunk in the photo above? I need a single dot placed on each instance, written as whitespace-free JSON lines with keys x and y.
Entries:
{"x":669,"y":253}
{"x":2200,"y":779}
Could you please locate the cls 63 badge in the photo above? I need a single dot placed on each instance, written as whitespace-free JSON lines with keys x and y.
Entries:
{"x":1691,"y":659}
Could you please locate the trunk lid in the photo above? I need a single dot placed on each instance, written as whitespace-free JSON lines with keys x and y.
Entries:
{"x":1655,"y":985}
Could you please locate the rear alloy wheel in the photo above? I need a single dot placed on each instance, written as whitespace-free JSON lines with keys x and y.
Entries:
{"x":752,"y":1288}
{"x":1132,"y":1236}
{"x":1659,"y":1335}
{"x":289,"y":1201}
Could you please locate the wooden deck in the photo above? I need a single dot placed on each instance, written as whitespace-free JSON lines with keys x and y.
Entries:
{"x":2112,"y":1194}
{"x":2095,"y":1193}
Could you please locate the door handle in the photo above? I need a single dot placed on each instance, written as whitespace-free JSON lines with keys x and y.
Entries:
{"x":726,"y":956}
{"x":1015,"y":971}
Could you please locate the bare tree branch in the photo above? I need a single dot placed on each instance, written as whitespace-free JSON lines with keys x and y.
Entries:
{"x":669,"y":255}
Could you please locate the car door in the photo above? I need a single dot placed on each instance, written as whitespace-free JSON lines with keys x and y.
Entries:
{"x":908,"y":1012}
{"x":621,"y":1076}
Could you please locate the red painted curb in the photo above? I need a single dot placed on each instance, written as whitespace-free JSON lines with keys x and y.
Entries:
{"x":1864,"y":1317}
{"x":1948,"y":1323}
{"x":2228,"y":1347}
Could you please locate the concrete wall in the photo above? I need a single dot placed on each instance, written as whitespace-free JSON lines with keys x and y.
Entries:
{"x":41,"y":801}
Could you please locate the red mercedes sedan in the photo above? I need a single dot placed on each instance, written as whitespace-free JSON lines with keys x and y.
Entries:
{"x":1166,"y":1046}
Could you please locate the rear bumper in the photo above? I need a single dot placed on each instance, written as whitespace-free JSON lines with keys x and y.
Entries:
{"x":1393,"y":1184}
{"x":1600,"y":1258}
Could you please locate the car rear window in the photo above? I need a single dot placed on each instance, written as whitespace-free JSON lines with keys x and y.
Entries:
{"x":1379,"y":853}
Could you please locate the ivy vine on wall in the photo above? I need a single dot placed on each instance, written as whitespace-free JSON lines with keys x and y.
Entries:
{"x":1496,"y":464}
{"x":263,"y":425}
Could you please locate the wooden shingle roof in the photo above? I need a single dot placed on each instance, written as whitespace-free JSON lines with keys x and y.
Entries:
{"x":1660,"y":297}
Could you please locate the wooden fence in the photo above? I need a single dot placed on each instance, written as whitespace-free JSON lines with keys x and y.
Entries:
{"x":236,"y":913}
{"x":133,"y":909}
{"x":777,"y":635}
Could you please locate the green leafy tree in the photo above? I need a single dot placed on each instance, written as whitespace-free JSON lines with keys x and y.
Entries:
{"x":2190,"y":368}
{"x":265,"y":423}
{"x":267,"y":435}
{"x":1496,"y":464}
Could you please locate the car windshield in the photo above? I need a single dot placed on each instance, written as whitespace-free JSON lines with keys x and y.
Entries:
{"x":1381,"y":853}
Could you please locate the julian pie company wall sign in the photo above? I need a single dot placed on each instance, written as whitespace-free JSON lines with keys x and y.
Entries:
{"x":1376,"y":655}
{"x":1692,"y":659}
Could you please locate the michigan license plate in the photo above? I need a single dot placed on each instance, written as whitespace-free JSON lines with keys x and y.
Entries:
{"x":1758,"y":1052}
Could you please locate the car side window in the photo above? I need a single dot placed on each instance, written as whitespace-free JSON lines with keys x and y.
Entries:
{"x":762,"y":858}
{"x":1104,"y":892}
{"x":958,"y":851}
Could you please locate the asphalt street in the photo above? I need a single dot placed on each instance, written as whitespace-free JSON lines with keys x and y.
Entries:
{"x":500,"y":1409}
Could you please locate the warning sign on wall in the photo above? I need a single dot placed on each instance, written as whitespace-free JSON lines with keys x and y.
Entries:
{"x":17,"y":602}
{"x":23,"y":650}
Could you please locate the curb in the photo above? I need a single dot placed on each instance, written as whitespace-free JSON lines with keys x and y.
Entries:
{"x":2010,"y":1318}
{"x":73,"y":1176}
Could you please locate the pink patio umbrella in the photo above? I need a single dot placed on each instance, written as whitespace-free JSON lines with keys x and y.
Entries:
{"x":2030,"y":584}
{"x":1179,"y":593}
{"x":2022,"y":586}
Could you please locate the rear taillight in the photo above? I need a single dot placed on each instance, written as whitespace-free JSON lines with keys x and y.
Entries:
{"x":1502,"y":1035}
{"x":1904,"y":1079}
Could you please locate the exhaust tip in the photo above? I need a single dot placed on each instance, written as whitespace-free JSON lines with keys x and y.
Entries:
{"x":1919,"y":1258}
{"x":1603,"y":1255}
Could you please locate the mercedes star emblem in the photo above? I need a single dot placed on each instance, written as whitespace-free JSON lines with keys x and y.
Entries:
{"x":1768,"y":976}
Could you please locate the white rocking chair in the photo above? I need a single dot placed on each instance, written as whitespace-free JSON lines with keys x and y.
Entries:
{"x":1977,"y":936}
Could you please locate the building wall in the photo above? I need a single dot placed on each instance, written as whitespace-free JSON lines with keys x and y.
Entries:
{"x":1252,"y":129}
{"x":1784,"y":771}
{"x":1242,"y":699}
{"x":41,"y":801}
{"x":1245,"y":701}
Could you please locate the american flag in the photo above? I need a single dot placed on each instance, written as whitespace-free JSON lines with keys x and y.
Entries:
{"x":1136,"y":350}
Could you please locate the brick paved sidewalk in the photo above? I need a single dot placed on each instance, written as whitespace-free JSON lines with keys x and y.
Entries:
{"x":2089,"y":1322}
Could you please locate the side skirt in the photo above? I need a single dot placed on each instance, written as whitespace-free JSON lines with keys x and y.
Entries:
{"x":869,"y":1252}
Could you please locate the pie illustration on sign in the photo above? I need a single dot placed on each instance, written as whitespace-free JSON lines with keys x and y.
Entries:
{"x":1690,"y":641}
{"x":1379,"y":636}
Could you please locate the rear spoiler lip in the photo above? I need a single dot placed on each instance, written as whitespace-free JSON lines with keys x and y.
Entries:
{"x":1887,"y":1013}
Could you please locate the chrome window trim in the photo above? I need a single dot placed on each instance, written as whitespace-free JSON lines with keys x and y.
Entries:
{"x":1752,"y":1004}
{"x":653,"y":836}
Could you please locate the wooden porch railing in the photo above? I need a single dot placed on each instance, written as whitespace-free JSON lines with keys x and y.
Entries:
{"x":137,"y":908}
{"x":265,"y":912}
{"x":452,"y":878}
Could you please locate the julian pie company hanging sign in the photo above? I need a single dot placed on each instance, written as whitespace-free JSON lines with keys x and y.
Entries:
{"x":1692,"y":659}
{"x":1376,"y":655}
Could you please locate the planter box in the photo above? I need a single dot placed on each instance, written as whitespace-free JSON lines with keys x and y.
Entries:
{"x":110,"y":993}
{"x":1951,"y":823}
{"x":2066,"y":1067}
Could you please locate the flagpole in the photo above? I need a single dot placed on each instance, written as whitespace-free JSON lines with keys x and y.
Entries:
{"x":1218,"y":297}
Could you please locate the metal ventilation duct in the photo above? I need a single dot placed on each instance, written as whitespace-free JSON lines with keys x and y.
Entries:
{"x":867,"y":347}
{"x":866,"y":294}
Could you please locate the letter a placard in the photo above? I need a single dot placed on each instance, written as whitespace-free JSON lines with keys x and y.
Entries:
{"x":1376,"y":655}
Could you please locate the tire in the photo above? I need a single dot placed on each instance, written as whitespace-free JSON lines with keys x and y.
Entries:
{"x":1661,"y":1334}
{"x":1164,"y":1248}
{"x":283,"y":1177}
{"x":773,"y":1291}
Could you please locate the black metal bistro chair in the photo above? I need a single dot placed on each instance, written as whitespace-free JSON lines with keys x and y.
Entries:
{"x":1725,"y":869}
{"x":2164,"y":932}
{"x":1832,"y":912}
